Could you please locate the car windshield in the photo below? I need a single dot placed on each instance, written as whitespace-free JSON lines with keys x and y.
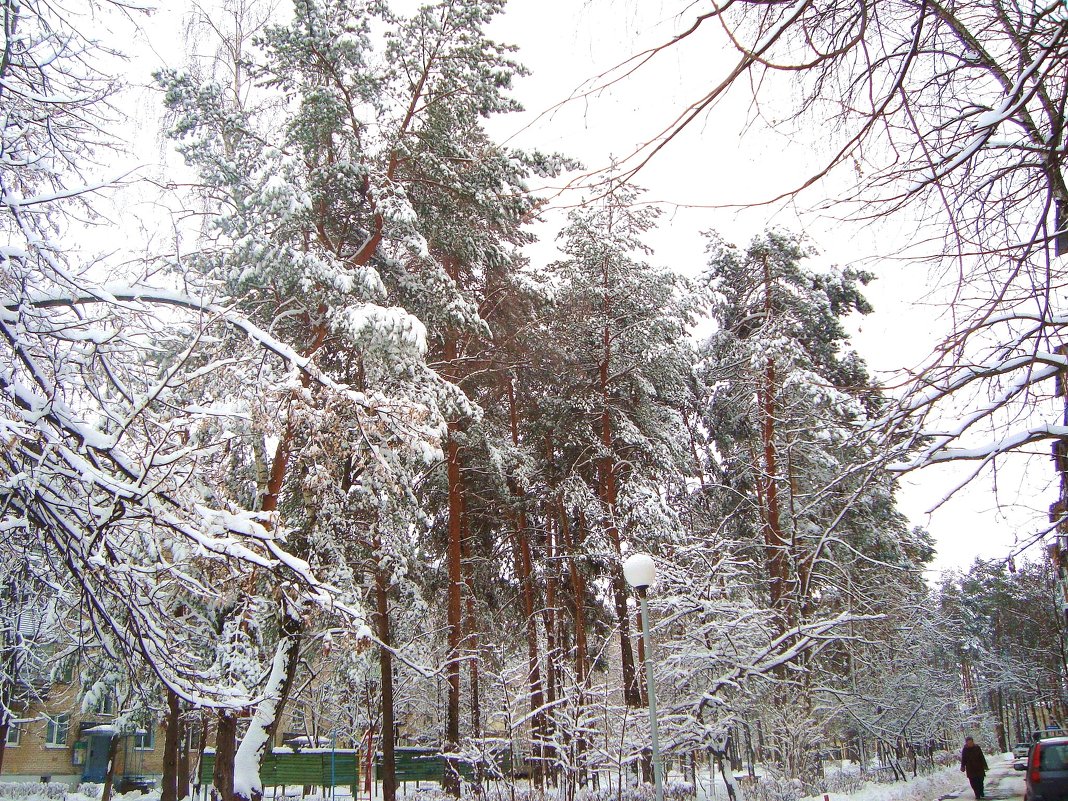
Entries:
{"x":1054,"y":757}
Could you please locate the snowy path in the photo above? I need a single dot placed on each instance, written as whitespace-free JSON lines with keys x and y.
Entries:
{"x":1003,"y":782}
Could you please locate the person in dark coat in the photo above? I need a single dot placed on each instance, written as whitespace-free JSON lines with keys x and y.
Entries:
{"x":973,"y":765}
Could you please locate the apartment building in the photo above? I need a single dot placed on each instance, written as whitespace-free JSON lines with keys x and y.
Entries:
{"x":53,"y":740}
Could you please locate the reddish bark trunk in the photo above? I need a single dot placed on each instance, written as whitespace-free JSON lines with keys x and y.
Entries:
{"x":608,"y":491}
{"x":551,"y":646}
{"x":454,"y":553}
{"x":578,"y":593}
{"x":225,"y":749}
{"x":476,"y":692}
{"x":608,"y":495}
{"x":453,"y":612}
{"x":385,"y":665}
{"x":524,"y":575}
{"x":171,"y":744}
{"x":776,"y":547}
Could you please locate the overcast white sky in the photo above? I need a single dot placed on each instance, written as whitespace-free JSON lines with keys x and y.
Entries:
{"x":717,"y":162}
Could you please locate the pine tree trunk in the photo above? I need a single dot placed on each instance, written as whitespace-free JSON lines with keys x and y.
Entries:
{"x":774,"y":541}
{"x":776,"y":546}
{"x":225,"y":748}
{"x":171,"y":743}
{"x":552,"y":650}
{"x":999,"y":707}
{"x":453,"y":616}
{"x":578,"y":594}
{"x":608,"y":495}
{"x":454,"y":551}
{"x":385,"y":665}
{"x":471,"y":651}
{"x":608,"y":491}
{"x":524,"y":574}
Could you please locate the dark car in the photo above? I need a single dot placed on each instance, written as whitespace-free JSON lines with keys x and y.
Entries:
{"x":1046,"y":778}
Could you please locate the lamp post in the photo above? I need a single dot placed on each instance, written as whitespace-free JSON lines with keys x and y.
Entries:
{"x":640,"y":572}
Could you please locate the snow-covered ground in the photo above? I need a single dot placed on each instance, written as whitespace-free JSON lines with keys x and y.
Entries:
{"x":1003,"y":784}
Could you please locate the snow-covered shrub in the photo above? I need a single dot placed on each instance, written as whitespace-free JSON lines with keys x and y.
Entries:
{"x":845,"y":782}
{"x":424,"y":794}
{"x":54,"y":790}
{"x":90,"y":789}
{"x":502,"y":791}
{"x":770,"y":788}
{"x":673,"y":791}
{"x":880,"y":775}
{"x":946,"y":758}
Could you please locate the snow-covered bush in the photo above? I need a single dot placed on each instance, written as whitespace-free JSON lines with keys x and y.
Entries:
{"x":770,"y":788}
{"x":502,"y":791}
{"x":845,"y":782}
{"x":56,"y":790}
{"x":945,"y":758}
{"x":673,"y":791}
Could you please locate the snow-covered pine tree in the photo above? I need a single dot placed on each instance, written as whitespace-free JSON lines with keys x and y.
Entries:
{"x":471,"y":201}
{"x":380,"y":196}
{"x":612,"y":373}
{"x":785,"y":402}
{"x":1003,"y":632}
{"x":801,"y":495}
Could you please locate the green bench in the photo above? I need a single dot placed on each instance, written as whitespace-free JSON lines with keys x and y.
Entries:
{"x":315,"y":767}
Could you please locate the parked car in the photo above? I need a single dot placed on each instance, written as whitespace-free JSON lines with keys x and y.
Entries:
{"x":1019,"y":751}
{"x":1046,"y":777}
{"x":1053,"y":730}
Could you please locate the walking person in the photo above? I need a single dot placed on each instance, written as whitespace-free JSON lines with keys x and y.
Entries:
{"x":973,"y":765}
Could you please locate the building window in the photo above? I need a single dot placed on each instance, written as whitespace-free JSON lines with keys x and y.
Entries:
{"x":58,"y":728}
{"x":145,"y":739}
{"x":64,"y":670}
{"x":104,"y":705}
{"x":14,"y":734}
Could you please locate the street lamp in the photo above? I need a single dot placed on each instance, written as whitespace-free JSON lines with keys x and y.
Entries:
{"x":640,"y":572}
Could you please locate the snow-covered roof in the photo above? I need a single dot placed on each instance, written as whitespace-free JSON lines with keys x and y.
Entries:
{"x":103,"y":729}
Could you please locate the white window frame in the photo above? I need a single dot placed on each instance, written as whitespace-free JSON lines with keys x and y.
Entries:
{"x":105,"y":704}
{"x":149,"y":737}
{"x":14,"y":734}
{"x":57,"y":725}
